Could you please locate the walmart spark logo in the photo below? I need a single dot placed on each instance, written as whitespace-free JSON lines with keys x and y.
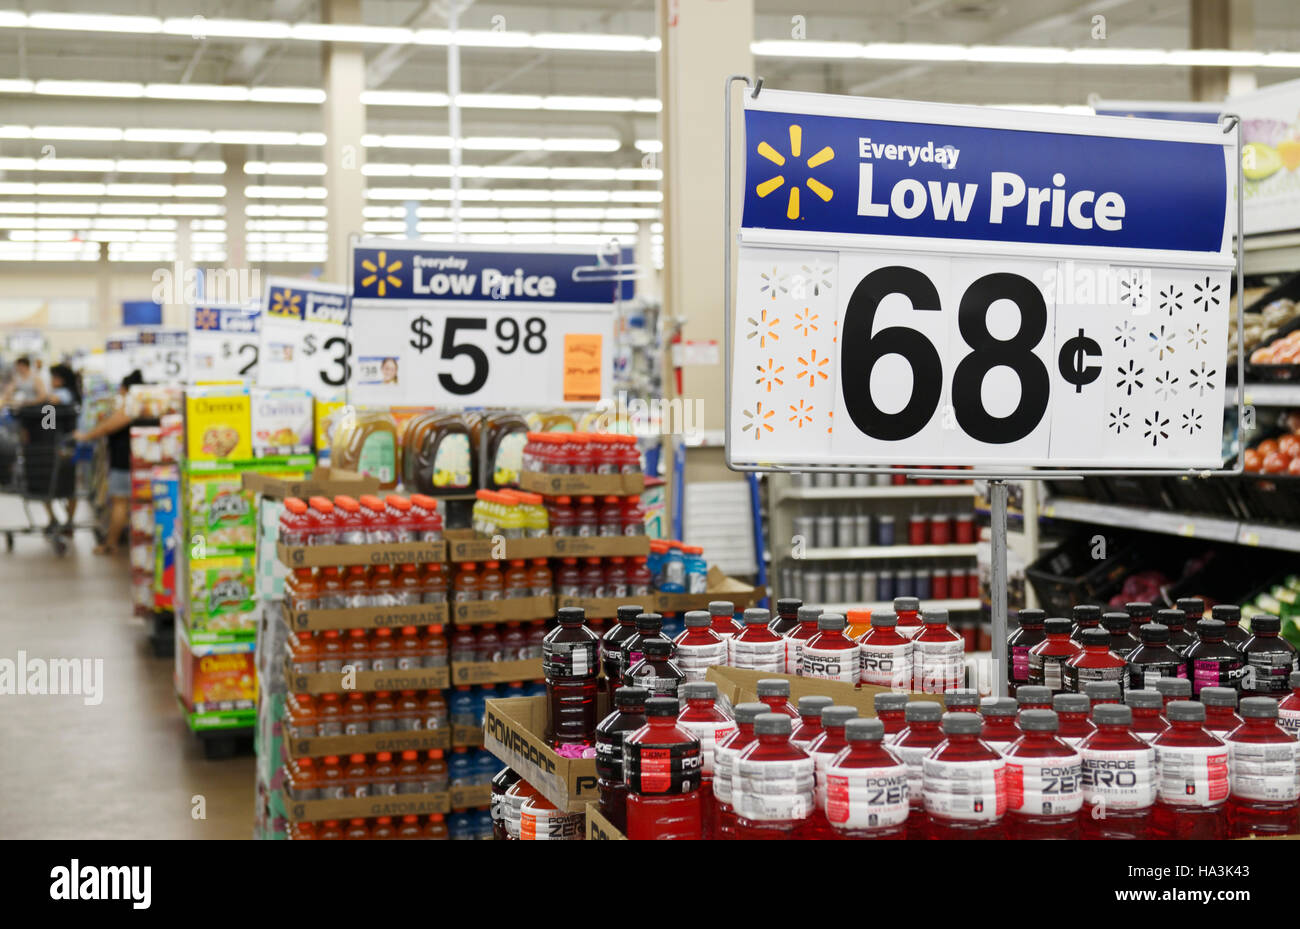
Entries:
{"x":796,"y":151}
{"x":382,"y":271}
{"x":286,"y":303}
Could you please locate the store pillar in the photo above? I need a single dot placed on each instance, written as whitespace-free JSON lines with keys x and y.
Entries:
{"x":344,"y":70}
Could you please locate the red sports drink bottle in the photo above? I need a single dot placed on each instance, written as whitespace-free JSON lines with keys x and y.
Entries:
{"x":503,"y":781}
{"x":1173,"y":688}
{"x":1154,"y":659}
{"x":775,"y":693}
{"x":1095,"y":663}
{"x":661,"y":764}
{"x":723,"y":614}
{"x":890,"y":709}
{"x":1176,"y":622}
{"x":1104,"y":692}
{"x":1212,"y":661}
{"x":724,"y":764}
{"x":1264,"y":774}
{"x":1270,"y":659}
{"x":866,"y":786}
{"x":648,"y":626}
{"x":1029,"y":634}
{"x":569,"y":660}
{"x":698,"y":646}
{"x":611,"y":644}
{"x":1119,"y":778}
{"x":1047,"y":659}
{"x":1085,"y":616}
{"x":611,"y":786}
{"x":1288,"y":711}
{"x":1220,"y":710}
{"x":908,"y":610}
{"x":703,"y":719}
{"x":830,"y":655}
{"x":773,"y":785}
{"x":656,"y":671}
{"x":1034,"y":697}
{"x":1044,"y":781}
{"x":964,"y":783}
{"x":804,"y":630}
{"x":1230,"y":616}
{"x":809,"y":725}
{"x":920,"y":737}
{"x":1000,"y":728}
{"x":961,"y":700}
{"x":1148,"y":713}
{"x":1191,"y":777}
{"x":938,"y":655}
{"x":1073,"y":724}
{"x":755,"y":648}
{"x":886,"y":656}
{"x":787,"y":615}
{"x":823,"y":749}
{"x":541,"y":820}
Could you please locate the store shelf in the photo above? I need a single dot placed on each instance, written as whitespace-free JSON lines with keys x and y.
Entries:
{"x":1187,"y":525}
{"x":1281,"y":394}
{"x":889,"y":551}
{"x":952,"y":606}
{"x":902,"y":491}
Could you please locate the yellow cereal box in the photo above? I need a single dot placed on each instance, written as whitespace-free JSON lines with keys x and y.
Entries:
{"x":327,"y":411}
{"x":218,"y":424}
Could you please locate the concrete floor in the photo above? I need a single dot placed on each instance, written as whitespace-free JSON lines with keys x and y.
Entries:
{"x":127,"y":768}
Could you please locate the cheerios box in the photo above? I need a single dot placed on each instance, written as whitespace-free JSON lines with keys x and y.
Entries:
{"x":218,"y":423}
{"x":283,"y":422}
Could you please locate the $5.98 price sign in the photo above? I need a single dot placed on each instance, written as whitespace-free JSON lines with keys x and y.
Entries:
{"x":465,"y":326}
{"x":1034,"y":335}
{"x":305,"y":336}
{"x":223,"y":343}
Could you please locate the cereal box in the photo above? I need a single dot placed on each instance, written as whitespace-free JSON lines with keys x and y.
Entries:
{"x":283,"y":422}
{"x":222,"y":594}
{"x":328,"y":410}
{"x":215,"y":678}
{"x":221,"y":513}
{"x":218,"y":424}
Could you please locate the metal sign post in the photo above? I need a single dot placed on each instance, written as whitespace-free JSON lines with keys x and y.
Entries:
{"x":998,"y":584}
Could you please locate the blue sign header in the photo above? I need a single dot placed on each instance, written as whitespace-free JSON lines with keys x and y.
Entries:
{"x":225,"y":319}
{"x":401,"y":272}
{"x":843,"y":174}
{"x":292,"y":301}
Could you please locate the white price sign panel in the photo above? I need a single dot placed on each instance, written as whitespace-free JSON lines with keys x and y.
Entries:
{"x":223,"y":343}
{"x":119,"y":357}
{"x":471,"y":326}
{"x":162,"y":356}
{"x":304,"y":336}
{"x":930,"y":284}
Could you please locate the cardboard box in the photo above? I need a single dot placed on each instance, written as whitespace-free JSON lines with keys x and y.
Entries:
{"x":513,"y":731}
{"x":466,"y":737}
{"x":599,"y":828}
{"x":471,"y":798}
{"x":464,"y":545}
{"x":591,"y":485}
{"x":394,"y":805}
{"x":330,"y":682}
{"x":629,"y":546}
{"x":496,"y":672}
{"x":322,"y":482}
{"x":366,"y":617}
{"x":420,"y":740}
{"x":720,"y":587}
{"x":741,"y":686}
{"x":500,"y":611}
{"x":390,"y":553}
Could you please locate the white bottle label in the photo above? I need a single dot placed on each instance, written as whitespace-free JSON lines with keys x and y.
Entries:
{"x":940,"y":666}
{"x":549,"y":824}
{"x":724,"y":761}
{"x":971,"y":791}
{"x":1124,"y":780}
{"x":1265,"y":770}
{"x":867,"y":798}
{"x":1290,"y":721}
{"x":756,"y":656}
{"x":912,"y":756}
{"x":1044,"y":786}
{"x":695,"y":660}
{"x":828,"y":664}
{"x":793,"y":648}
{"x":768,"y":791}
{"x":1191,"y":775}
{"x":887,"y":665}
{"x":709,"y":734}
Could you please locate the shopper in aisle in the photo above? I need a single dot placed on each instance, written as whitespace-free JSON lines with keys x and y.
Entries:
{"x":64,"y":391}
{"x":117,"y":428}
{"x":24,"y":384}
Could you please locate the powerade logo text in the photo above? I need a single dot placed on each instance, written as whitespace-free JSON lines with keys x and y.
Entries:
{"x":880,"y":177}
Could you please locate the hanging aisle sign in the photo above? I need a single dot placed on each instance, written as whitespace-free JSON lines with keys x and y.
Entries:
{"x":465,"y":325}
{"x":162,"y":356}
{"x":933,"y":284}
{"x":223,"y":343}
{"x":304,"y":335}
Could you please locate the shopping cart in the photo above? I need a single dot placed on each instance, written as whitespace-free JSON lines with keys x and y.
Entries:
{"x":41,"y":463}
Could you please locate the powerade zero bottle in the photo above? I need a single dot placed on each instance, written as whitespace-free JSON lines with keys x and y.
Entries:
{"x":1044,"y":782}
{"x":964,"y":783}
{"x":866,"y":786}
{"x":1264,"y":774}
{"x":1191,"y":777}
{"x":702,"y":718}
{"x":774,"y":783}
{"x":1119,"y":778}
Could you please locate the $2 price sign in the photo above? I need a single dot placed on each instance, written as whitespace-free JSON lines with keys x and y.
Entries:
{"x":223,"y":343}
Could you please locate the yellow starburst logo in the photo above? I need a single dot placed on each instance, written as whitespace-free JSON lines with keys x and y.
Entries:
{"x":285,"y":303}
{"x":382,"y":271}
{"x":796,"y":151}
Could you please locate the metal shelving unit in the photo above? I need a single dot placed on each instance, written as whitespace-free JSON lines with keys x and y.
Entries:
{"x":889,"y":551}
{"x":1187,"y":525}
{"x":952,"y":606}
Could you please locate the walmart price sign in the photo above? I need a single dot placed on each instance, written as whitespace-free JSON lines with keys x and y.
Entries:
{"x":223,"y":343}
{"x":304,"y":336}
{"x":930,"y":284}
{"x":162,"y":356}
{"x":467,"y":325}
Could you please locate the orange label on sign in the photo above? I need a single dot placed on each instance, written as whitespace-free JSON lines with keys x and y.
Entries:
{"x":582,"y":358}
